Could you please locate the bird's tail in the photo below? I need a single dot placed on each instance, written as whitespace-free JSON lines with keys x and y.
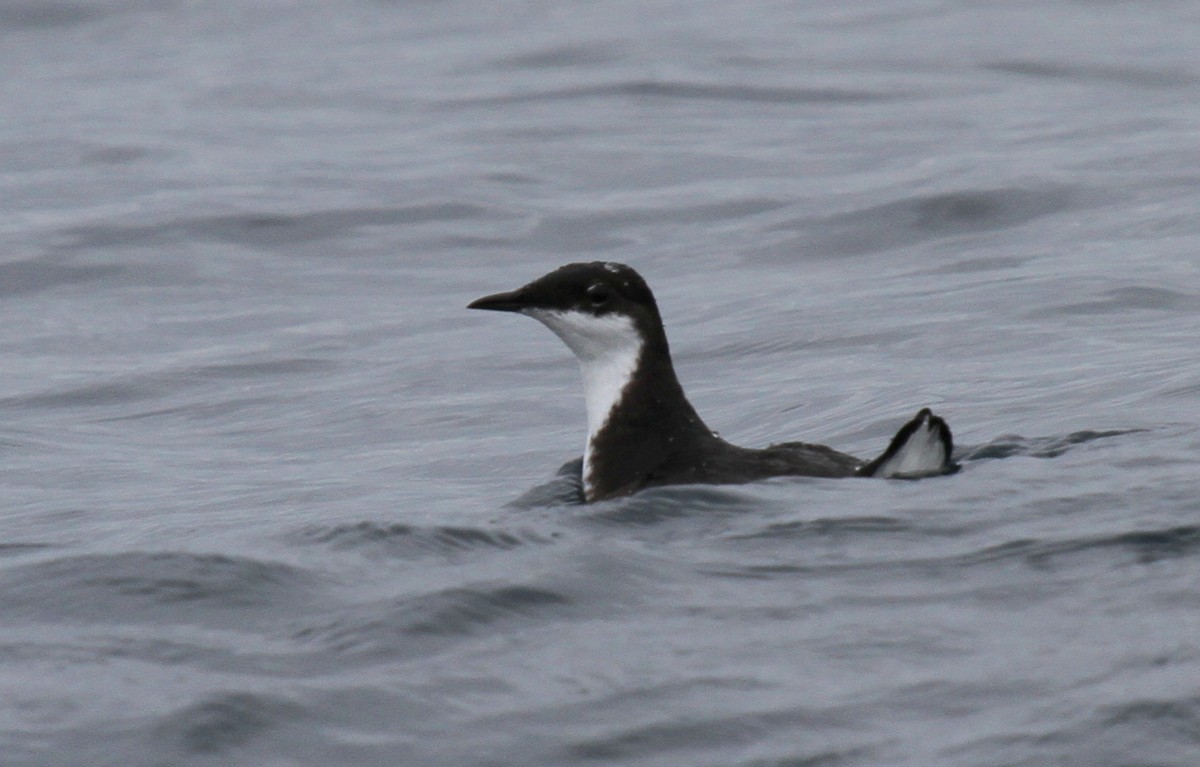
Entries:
{"x":922,"y":448}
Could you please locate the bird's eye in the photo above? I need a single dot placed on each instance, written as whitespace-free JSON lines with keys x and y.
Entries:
{"x":598,"y":294}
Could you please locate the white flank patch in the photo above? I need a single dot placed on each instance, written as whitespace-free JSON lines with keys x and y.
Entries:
{"x":607,"y":348}
{"x":921,"y":454}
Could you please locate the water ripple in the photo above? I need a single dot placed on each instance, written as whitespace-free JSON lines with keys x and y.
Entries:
{"x":565,"y":489}
{"x":1123,"y":299}
{"x":822,"y":528}
{"x":675,"y":90}
{"x":1144,"y":546}
{"x":925,"y":217}
{"x":146,"y":585}
{"x":1037,"y":447}
{"x":1097,"y":73}
{"x":46,"y":15}
{"x":271,"y":229}
{"x":37,"y":275}
{"x":679,"y":737}
{"x":223,"y":722}
{"x":156,"y":385}
{"x":424,"y":622}
{"x":560,"y":57}
{"x":661,"y":504}
{"x":409,"y":540}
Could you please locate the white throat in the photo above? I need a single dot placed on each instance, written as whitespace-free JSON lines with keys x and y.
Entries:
{"x":608,"y":348}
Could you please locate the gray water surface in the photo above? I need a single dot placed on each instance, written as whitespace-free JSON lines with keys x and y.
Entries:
{"x":258,"y":460}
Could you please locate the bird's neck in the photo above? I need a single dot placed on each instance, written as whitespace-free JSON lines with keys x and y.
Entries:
{"x":638,"y":419}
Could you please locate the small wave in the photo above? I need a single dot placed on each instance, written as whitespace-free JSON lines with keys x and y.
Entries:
{"x":287,"y":366}
{"x":646,"y":507}
{"x":574,"y":234}
{"x":1097,"y":73}
{"x":101,"y":394}
{"x":46,"y":15}
{"x":37,"y":275}
{"x":1136,"y":297}
{"x":610,"y":228}
{"x":560,"y":58}
{"x":462,"y":611}
{"x":57,"y":153}
{"x":923,"y":217}
{"x":658,"y":89}
{"x":408,"y":540}
{"x":16,"y":549}
{"x":157,"y":385}
{"x":659,"y":214}
{"x":224,"y":722}
{"x":421,"y":624}
{"x":823,"y":528}
{"x":1137,"y":732}
{"x":1144,"y":546}
{"x":975,"y":265}
{"x":272,"y":229}
{"x":19,"y":548}
{"x":1176,"y":719}
{"x":660,"y":504}
{"x":1037,"y":447}
{"x":566,"y":489}
{"x":693,"y":737}
{"x":141,"y":585}
{"x":1139,"y":547}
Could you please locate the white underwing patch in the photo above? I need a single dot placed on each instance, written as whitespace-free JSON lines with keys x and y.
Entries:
{"x":923,"y":453}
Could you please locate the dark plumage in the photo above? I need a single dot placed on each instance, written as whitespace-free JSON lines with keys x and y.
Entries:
{"x":644,"y":431}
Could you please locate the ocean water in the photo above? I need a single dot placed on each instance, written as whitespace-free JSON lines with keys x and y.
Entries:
{"x":261,"y":468}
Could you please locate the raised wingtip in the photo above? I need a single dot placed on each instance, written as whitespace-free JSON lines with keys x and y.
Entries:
{"x":923,"y":447}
